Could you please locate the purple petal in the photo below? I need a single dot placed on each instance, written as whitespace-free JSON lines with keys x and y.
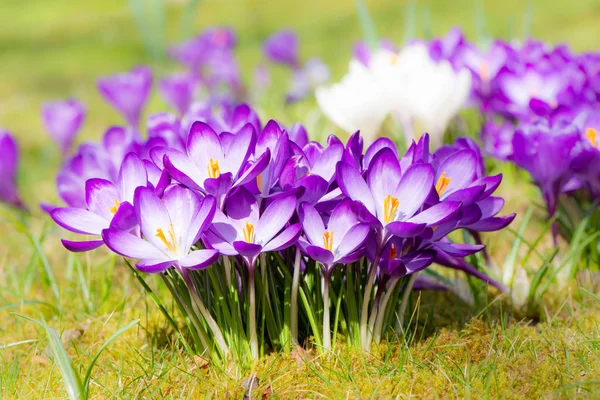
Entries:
{"x":125,"y":218}
{"x":129,"y":245}
{"x":199,"y":259}
{"x":492,"y":224}
{"x":312,"y":223}
{"x":255,"y":169}
{"x":285,"y":239}
{"x":79,"y":247}
{"x":490,"y":206}
{"x":354,"y":186}
{"x":320,"y":255}
{"x":273,"y":219}
{"x":204,"y":145}
{"x":132,"y":174}
{"x":342,"y":219}
{"x":375,"y":148}
{"x":467,"y":195}
{"x":405,"y":229}
{"x":383,"y":176}
{"x":153,"y":266}
{"x":184,"y":172}
{"x":413,"y":189}
{"x":459,"y":249}
{"x":324,"y":166}
{"x":249,"y":250}
{"x":461,"y":168}
{"x":213,"y":241}
{"x":437,"y":214}
{"x":79,"y":220}
{"x":352,"y":240}
{"x":152,"y":215}
{"x":102,"y":197}
{"x":240,"y":149}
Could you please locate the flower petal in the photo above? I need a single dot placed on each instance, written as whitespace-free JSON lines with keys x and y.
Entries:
{"x":312,"y":224}
{"x":274,"y":218}
{"x":413,"y":189}
{"x":78,"y":247}
{"x":129,"y":245}
{"x":199,"y":259}
{"x":354,"y":186}
{"x":285,"y":239}
{"x":79,"y":220}
{"x":437,"y":214}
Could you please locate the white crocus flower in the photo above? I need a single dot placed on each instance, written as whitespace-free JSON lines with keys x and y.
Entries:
{"x":424,"y":95}
{"x":357,"y":102}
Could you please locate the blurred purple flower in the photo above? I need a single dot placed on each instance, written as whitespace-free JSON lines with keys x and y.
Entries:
{"x":127,"y":92}
{"x":8,"y":170}
{"x":282,"y":48}
{"x":62,"y":120}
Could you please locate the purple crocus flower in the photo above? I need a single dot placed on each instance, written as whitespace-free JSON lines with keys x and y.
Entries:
{"x":545,"y":149}
{"x":243,"y":230}
{"x":395,"y":198}
{"x":107,"y":205}
{"x":62,"y":120}
{"x":213,"y":164}
{"x":313,"y":74}
{"x":8,"y":170}
{"x":178,"y":91}
{"x":497,"y":139}
{"x":282,"y":48}
{"x":170,"y":227}
{"x":127,"y":92}
{"x":337,"y":242}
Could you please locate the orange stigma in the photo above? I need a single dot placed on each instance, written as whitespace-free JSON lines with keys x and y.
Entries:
{"x":248,"y":232}
{"x":171,"y":243}
{"x":442,"y":184}
{"x":592,"y":136}
{"x":328,"y":240}
{"x":213,"y":168}
{"x":390,"y":208}
{"x":114,"y":208}
{"x":484,"y":71}
{"x":393,"y":252}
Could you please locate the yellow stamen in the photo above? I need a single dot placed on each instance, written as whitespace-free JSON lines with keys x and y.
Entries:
{"x":172,"y":243}
{"x":442,"y":184}
{"x":390,"y":208}
{"x":394,"y":59}
{"x":393,"y":252}
{"x":248,"y":232}
{"x":328,"y":240}
{"x":114,"y":208}
{"x":259,"y":181}
{"x":592,"y":136}
{"x":213,"y":168}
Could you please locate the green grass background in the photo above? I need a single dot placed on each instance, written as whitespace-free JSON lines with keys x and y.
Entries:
{"x":57,"y":49}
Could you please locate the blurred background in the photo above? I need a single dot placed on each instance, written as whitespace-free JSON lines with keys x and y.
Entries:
{"x":55,"y":49}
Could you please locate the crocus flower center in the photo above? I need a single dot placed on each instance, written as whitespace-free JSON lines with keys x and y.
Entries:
{"x":248,"y":232}
{"x":328,"y":240}
{"x":390,"y":208}
{"x":442,"y":184}
{"x":170,"y":242}
{"x":592,"y":136}
{"x":393,"y":252}
{"x":213,"y":168}
{"x":114,"y":208}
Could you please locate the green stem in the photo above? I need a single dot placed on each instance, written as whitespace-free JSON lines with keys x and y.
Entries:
{"x":365,"y":304}
{"x":404,"y":302}
{"x":212,"y":324}
{"x":381,"y":313}
{"x":294,"y":299}
{"x":252,"y":316}
{"x":326,"y":320}
{"x":373,"y":314}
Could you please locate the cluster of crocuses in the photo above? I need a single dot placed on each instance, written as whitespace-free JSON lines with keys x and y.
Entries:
{"x":541,"y":106}
{"x":245,"y":222}
{"x":546,"y":96}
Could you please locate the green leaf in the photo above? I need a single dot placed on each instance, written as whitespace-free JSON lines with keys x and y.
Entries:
{"x":71,"y":378}
{"x":88,"y":373}
{"x":367,"y":24}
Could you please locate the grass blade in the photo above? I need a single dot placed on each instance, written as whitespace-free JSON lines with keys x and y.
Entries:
{"x":88,"y":373}
{"x":71,"y":378}
{"x":367,"y":24}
